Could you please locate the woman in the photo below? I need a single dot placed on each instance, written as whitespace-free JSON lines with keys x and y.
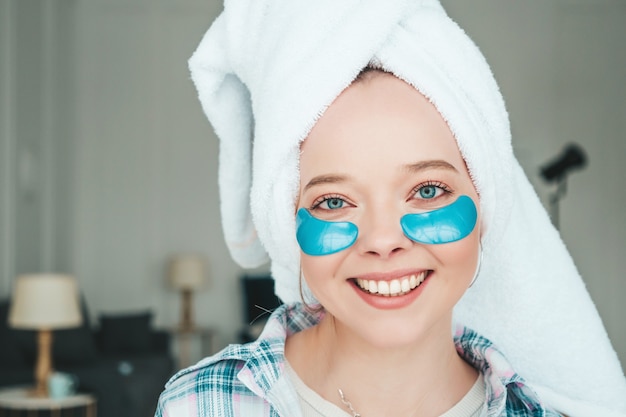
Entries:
{"x":376,"y":194}
{"x":388,"y":299}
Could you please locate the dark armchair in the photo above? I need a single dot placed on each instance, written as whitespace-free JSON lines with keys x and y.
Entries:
{"x":124,"y":362}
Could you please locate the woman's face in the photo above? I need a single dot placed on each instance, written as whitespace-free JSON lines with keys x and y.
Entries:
{"x":380,"y":151}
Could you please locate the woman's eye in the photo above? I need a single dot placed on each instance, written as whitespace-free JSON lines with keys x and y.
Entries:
{"x":430,"y":191}
{"x":329,"y":202}
{"x":332,"y":203}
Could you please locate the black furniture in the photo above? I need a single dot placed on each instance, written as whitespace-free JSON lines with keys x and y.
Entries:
{"x":124,"y":362}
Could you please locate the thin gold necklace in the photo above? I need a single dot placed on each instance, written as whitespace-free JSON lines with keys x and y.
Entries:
{"x":348,"y":404}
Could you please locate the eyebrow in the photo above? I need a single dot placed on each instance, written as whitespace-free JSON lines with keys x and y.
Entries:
{"x":433,"y":164}
{"x":416,"y":167}
{"x":325,"y":179}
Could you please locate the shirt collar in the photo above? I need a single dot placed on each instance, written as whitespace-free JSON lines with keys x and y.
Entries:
{"x":500,"y":377}
{"x":265,"y":366}
{"x":264,"y":359}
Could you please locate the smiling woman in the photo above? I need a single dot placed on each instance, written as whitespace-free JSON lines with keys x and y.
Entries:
{"x":383,"y":186}
{"x":387,"y":298}
{"x":378,"y":190}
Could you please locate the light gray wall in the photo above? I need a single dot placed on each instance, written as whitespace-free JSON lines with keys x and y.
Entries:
{"x":29,"y":22}
{"x":146,"y":161}
{"x":34,"y":138}
{"x":7,"y":139}
{"x":135,"y":159}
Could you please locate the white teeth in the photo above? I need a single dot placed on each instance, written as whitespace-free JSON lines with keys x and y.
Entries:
{"x":406,"y":285}
{"x":395,"y":287}
{"x":383,"y":288}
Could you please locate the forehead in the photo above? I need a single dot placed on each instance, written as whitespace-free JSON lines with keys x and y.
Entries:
{"x":378,"y":121}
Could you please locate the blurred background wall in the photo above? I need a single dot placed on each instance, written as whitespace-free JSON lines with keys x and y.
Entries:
{"x":108,"y":166}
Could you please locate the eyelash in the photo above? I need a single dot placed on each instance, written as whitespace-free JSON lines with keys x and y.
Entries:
{"x":316,"y":204}
{"x":437,"y":184}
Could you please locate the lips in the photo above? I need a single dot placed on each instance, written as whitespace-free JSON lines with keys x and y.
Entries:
{"x":392,"y":288}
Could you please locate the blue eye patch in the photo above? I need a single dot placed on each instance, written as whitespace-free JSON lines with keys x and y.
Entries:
{"x":447,"y":224}
{"x":318,"y":237}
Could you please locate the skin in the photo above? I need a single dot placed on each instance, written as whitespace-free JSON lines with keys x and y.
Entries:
{"x":382,"y":150}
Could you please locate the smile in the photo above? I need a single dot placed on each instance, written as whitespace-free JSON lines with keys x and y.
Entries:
{"x":393,"y":288}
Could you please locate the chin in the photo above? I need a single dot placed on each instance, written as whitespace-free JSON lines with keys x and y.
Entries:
{"x":396,"y":332}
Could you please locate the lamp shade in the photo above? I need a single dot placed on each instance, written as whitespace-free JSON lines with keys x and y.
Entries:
{"x":45,"y":301}
{"x":187,"y":272}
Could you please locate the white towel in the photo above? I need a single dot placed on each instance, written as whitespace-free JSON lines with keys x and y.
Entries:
{"x":265,"y":72}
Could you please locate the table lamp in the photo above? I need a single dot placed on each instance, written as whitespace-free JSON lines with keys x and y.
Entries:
{"x":44,"y":302}
{"x":187,"y":273}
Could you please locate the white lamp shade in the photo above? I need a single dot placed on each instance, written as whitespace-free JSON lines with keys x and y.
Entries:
{"x":45,"y":301}
{"x":187,"y":272}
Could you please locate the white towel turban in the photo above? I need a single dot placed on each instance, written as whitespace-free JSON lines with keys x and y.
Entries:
{"x":267,"y":69}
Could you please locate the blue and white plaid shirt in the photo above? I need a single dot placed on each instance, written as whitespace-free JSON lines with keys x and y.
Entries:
{"x":249,"y":380}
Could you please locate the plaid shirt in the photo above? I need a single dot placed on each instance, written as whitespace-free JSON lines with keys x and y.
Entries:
{"x":248,"y":380}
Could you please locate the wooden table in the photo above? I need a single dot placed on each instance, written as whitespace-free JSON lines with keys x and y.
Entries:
{"x":18,"y":402}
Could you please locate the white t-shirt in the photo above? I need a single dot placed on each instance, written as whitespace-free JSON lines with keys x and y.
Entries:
{"x":314,"y":405}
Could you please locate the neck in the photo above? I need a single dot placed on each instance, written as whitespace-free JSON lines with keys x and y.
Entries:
{"x":424,"y":378}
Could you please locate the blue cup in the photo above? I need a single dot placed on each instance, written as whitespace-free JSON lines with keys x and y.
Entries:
{"x":61,"y":385}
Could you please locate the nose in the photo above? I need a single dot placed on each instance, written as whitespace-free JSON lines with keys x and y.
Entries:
{"x":381,"y":235}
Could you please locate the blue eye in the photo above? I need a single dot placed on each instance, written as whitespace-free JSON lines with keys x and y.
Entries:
{"x":333,"y":203}
{"x":330,"y":202}
{"x":429,"y":192}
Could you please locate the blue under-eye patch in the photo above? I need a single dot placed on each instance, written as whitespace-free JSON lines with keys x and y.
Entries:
{"x":319,"y":237}
{"x":445,"y":225}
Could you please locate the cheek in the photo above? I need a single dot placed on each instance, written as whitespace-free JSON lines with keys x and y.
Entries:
{"x":321,"y":274}
{"x":315,"y":269}
{"x":308,"y":266}
{"x":460,"y":258}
